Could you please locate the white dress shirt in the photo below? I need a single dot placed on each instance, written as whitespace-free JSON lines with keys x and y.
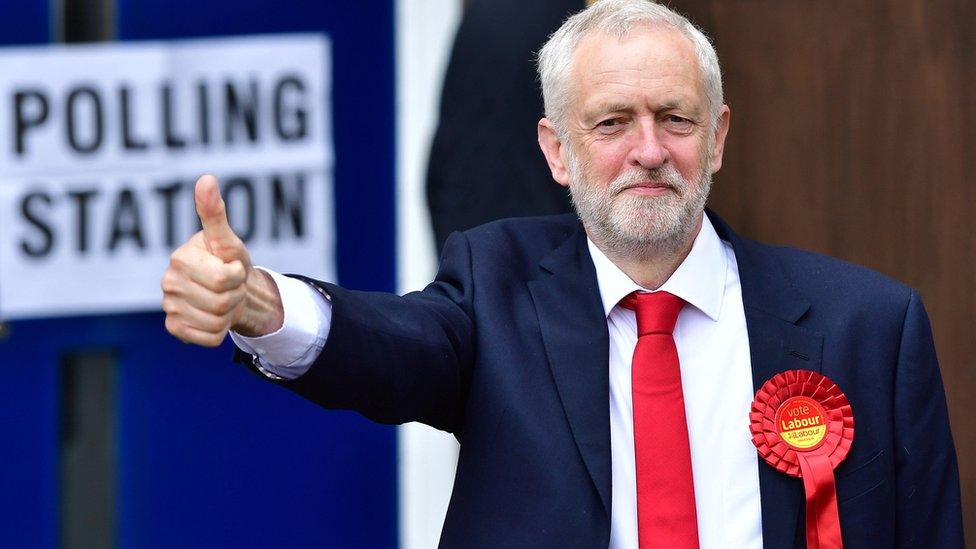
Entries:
{"x":716,"y":378}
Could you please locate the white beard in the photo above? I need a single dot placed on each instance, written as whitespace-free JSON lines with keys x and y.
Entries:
{"x":637,"y":226}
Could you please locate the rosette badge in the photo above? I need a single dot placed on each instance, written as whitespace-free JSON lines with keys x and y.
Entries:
{"x":803,"y":426}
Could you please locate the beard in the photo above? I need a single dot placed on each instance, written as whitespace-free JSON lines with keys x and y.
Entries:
{"x":636,"y":226}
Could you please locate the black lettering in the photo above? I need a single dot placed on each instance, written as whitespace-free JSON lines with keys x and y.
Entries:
{"x":169,"y":194}
{"x":241,"y":186}
{"x":290,"y":117}
{"x":126,"y":221}
{"x":129,"y":142}
{"x":172,"y":140}
{"x":28,"y":209}
{"x":288,"y":206}
{"x":81,"y":200}
{"x":98,"y":129}
{"x":240,"y":112}
{"x":203,"y":97}
{"x":26,"y":120}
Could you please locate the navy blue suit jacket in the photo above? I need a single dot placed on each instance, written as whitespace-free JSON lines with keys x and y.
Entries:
{"x":508,"y":349}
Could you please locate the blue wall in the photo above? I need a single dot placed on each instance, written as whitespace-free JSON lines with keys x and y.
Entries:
{"x":209,"y":455}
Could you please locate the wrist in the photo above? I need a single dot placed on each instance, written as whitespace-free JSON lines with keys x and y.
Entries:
{"x":262,"y":312}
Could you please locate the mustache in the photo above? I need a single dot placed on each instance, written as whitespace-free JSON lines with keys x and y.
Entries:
{"x":666,"y":175}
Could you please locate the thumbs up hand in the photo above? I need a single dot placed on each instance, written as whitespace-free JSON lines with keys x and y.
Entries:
{"x":210,"y":286}
{"x":217,"y":234}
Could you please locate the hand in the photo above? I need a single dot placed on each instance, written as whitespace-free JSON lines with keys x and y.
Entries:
{"x":210,"y":286}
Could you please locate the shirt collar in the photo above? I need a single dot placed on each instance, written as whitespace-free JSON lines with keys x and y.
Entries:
{"x":699,"y":279}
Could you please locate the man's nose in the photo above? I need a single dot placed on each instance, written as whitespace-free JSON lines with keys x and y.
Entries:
{"x":649,"y":151}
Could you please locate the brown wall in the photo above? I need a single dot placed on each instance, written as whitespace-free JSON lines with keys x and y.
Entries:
{"x":854,"y":134}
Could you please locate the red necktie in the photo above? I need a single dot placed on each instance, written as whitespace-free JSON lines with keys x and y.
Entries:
{"x":665,"y":490}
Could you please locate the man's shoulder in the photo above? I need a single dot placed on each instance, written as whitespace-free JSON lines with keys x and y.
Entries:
{"x":512,"y":248}
{"x":532,"y":236}
{"x":547,"y":228}
{"x":816,"y":275}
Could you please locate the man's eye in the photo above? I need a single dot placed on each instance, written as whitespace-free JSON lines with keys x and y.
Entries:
{"x":610,"y":125}
{"x":678,"y":124}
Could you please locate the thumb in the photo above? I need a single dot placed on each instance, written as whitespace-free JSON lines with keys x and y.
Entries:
{"x":219,"y":237}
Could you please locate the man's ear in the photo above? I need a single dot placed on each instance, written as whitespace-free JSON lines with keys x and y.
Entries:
{"x":553,"y":148}
{"x":721,"y":131}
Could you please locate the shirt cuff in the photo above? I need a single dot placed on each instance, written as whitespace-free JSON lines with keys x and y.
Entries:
{"x":290,"y":351}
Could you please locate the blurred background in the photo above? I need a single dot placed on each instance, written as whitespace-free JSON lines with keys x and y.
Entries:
{"x":852,"y":135}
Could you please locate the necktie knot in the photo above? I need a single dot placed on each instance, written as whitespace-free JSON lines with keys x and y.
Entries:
{"x":657,"y":312}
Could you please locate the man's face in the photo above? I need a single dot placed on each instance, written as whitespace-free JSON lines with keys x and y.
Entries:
{"x":641,"y":149}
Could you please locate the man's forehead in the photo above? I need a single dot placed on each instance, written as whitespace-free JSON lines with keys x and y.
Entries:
{"x":608,"y":69}
{"x":607,"y":103}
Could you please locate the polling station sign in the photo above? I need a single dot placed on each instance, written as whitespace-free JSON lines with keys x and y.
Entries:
{"x":100,"y":146}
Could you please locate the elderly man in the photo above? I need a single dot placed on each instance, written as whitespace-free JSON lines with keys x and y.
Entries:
{"x":599,"y":371}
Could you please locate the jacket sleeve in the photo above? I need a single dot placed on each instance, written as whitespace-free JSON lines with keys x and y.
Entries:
{"x":398,"y":359}
{"x":928,"y":498}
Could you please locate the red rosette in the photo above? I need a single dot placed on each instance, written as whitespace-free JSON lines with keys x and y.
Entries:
{"x":803,"y":425}
{"x":794,"y":383}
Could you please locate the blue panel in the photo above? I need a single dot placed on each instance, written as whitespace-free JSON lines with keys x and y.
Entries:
{"x":24,"y":22}
{"x":28,"y":390}
{"x":211,"y":455}
{"x":29,"y":421}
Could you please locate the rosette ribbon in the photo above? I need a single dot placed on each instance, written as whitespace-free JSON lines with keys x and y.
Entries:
{"x":803,"y":426}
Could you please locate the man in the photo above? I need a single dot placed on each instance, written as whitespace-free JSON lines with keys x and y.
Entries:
{"x":526,"y":346}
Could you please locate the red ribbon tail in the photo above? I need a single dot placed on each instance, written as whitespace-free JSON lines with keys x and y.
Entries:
{"x":823,"y":520}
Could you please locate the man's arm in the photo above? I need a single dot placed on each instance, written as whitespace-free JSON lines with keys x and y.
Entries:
{"x":928,"y":499}
{"x":393,"y":359}
{"x":399,"y":359}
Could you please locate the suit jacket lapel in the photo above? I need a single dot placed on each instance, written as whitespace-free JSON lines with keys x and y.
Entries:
{"x":776,"y":344}
{"x":574,"y":329}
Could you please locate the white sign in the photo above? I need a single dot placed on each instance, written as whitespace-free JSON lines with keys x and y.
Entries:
{"x":100,"y":147}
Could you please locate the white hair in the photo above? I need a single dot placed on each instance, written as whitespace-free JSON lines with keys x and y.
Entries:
{"x":617,"y":18}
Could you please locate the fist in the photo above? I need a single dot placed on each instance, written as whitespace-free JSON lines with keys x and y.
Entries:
{"x":210,"y":286}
